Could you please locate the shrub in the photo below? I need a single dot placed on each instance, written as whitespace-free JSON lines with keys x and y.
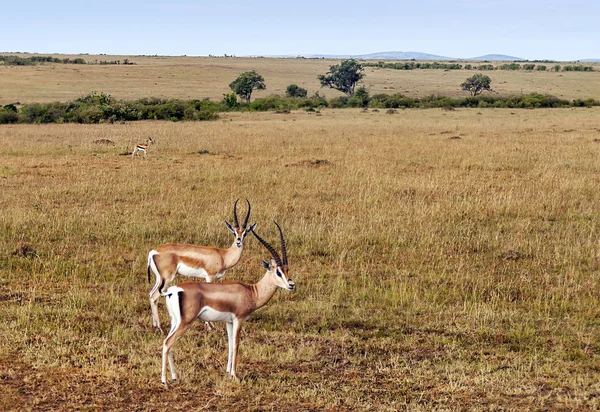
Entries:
{"x":360,"y":99}
{"x":393,"y":101}
{"x":339,"y":102}
{"x":273,"y":102}
{"x":293,"y":90}
{"x":230,"y":101}
{"x":8,"y":116}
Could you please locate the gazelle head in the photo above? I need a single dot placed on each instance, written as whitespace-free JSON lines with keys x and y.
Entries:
{"x":150,"y":141}
{"x":238,"y":231}
{"x":278,"y":266}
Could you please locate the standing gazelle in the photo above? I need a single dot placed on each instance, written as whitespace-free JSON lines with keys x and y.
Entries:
{"x":205,"y":262}
{"x":142,"y":147}
{"x":231,"y":303}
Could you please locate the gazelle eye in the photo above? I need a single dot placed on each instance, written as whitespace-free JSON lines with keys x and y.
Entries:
{"x":279,"y":273}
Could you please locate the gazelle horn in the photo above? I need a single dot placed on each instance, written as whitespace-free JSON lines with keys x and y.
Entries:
{"x":247,"y":215}
{"x":283,"y":249}
{"x":269,"y":248}
{"x":235,"y":219}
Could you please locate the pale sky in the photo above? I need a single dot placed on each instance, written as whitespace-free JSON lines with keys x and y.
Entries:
{"x":531,"y":29}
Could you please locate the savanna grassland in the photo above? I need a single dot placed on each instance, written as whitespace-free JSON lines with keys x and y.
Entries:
{"x":205,"y":77}
{"x":443,"y":259}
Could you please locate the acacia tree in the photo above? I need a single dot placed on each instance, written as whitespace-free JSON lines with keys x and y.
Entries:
{"x":477,"y":84}
{"x":343,"y":76}
{"x":246,"y":83}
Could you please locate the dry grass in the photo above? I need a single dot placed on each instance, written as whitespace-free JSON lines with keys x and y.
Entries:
{"x":202,"y":77}
{"x":442,"y":260}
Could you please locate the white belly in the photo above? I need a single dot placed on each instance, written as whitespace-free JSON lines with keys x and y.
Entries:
{"x":193,"y":272}
{"x":208,"y":314}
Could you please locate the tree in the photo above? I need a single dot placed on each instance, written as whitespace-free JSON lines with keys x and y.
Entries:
{"x":343,"y":76}
{"x":293,"y":90}
{"x":477,"y":84}
{"x":246,"y":83}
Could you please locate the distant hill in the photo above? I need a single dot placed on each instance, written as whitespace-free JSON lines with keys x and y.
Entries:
{"x":389,"y":55}
{"x":411,"y":55}
{"x":496,"y":57}
{"x":400,"y":55}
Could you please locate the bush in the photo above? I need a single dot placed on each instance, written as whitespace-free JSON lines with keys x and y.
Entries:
{"x":293,"y":90}
{"x":339,"y":102}
{"x":585,"y":103}
{"x":8,"y":116}
{"x":360,"y":99}
{"x":273,"y":102}
{"x":230,"y":101}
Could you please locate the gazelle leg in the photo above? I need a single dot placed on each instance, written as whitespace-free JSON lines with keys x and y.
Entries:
{"x":154,"y":296}
{"x":154,"y":307}
{"x":229,"y":326}
{"x":234,"y":341}
{"x":167,"y":353}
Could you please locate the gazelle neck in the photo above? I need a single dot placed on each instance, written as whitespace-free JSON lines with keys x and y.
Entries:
{"x":233,"y":255}
{"x":264,"y":290}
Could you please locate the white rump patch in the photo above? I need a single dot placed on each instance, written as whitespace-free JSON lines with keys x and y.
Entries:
{"x":172,"y":301}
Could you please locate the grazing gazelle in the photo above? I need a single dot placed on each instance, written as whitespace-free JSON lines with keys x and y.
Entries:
{"x":142,"y":147}
{"x":231,"y":303}
{"x":205,"y":262}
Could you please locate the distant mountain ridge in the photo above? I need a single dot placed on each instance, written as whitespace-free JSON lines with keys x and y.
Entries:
{"x":400,"y":55}
{"x":496,"y":57}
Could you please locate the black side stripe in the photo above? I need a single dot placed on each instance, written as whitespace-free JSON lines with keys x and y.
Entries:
{"x":180,"y":295}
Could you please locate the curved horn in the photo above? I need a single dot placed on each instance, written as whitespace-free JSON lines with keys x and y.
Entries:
{"x":269,"y":248}
{"x":247,"y":215}
{"x":283,"y":249}
{"x":235,"y":219}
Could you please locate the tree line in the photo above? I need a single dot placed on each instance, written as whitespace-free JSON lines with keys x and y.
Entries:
{"x":35,"y":60}
{"x":412,"y":65}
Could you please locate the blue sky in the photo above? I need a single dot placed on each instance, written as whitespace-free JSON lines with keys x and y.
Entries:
{"x":532,"y":29}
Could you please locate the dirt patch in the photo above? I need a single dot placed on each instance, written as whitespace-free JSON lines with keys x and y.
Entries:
{"x":24,"y":249}
{"x":106,"y":142}
{"x":311,"y":163}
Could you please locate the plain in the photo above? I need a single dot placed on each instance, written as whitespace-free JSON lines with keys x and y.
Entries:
{"x":442,"y":259}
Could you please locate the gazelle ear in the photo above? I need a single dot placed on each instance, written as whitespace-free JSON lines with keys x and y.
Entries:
{"x":230,"y":227}
{"x":266,"y":264}
{"x":251,"y":228}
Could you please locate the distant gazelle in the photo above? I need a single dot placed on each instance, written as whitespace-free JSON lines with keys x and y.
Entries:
{"x":142,"y":147}
{"x":231,"y":303}
{"x":205,"y":262}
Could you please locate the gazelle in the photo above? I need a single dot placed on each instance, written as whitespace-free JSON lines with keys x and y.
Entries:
{"x":231,"y":303}
{"x":142,"y":147}
{"x":205,"y":262}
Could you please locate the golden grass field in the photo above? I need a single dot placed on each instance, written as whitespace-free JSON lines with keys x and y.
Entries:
{"x":204,"y":77}
{"x":443,"y":259}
